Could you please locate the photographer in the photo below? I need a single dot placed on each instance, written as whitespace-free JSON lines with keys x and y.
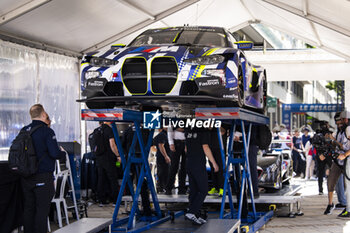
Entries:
{"x":344,"y":156}
{"x":332,"y":143}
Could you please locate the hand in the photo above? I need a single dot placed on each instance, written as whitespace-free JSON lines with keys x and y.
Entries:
{"x":322,"y":157}
{"x":119,"y":159}
{"x":167,"y":160}
{"x":62,"y":149}
{"x":341,"y":157}
{"x":236,"y":138}
{"x":172,"y":147}
{"x":216,"y":167}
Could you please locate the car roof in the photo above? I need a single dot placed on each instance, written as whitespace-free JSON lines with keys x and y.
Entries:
{"x":187,"y":28}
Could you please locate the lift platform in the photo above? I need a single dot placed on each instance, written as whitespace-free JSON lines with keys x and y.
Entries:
{"x":242,"y":179}
{"x":285,"y":196}
{"x":141,"y":163}
{"x":232,"y":116}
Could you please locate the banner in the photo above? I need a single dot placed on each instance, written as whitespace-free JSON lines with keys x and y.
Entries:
{"x":287,"y":109}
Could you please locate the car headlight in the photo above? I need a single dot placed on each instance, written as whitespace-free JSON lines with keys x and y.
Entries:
{"x":99,"y":61}
{"x":206,"y":60}
{"x":92,"y":74}
{"x":214,"y":72}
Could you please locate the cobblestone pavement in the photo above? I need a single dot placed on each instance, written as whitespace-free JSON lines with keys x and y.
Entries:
{"x":313,"y":221}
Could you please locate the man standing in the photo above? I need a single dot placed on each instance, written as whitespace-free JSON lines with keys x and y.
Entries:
{"x":106,"y":166}
{"x":176,"y":139}
{"x":197,"y":143}
{"x":38,"y":189}
{"x":163,"y":159}
{"x":336,"y":170}
{"x":296,"y":150}
{"x":346,"y":146}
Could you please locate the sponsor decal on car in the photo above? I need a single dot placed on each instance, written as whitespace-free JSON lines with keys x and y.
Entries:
{"x":95,"y":83}
{"x":209,"y":82}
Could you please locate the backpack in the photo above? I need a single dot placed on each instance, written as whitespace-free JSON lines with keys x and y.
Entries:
{"x":264,"y":138}
{"x":22,"y":157}
{"x":96,"y":142}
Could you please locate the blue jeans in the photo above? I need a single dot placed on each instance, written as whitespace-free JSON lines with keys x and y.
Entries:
{"x":339,"y":188}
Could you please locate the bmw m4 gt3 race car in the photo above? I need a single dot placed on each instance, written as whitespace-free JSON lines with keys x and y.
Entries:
{"x":275,"y":165}
{"x":201,"y":65}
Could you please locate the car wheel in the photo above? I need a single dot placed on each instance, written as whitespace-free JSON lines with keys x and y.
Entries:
{"x":240,"y":88}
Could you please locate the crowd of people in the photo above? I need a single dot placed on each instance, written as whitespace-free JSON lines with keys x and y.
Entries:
{"x":184,"y":153}
{"x":323,"y":155}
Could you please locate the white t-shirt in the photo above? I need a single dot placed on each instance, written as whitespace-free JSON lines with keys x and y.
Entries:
{"x":342,"y":138}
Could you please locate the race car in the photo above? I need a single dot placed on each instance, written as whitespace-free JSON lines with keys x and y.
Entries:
{"x":275,"y":165}
{"x":201,"y":65}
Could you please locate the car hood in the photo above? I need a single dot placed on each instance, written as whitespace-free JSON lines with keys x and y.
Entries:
{"x":179,"y":52}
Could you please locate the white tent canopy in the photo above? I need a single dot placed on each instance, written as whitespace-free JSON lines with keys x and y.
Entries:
{"x":75,"y":27}
{"x":84,"y":25}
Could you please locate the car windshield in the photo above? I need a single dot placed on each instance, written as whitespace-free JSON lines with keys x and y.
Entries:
{"x":181,"y":37}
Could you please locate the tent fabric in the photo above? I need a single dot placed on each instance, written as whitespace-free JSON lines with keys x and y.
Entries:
{"x":82,"y":25}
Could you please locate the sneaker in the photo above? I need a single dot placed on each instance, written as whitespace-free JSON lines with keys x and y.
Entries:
{"x":221,"y":192}
{"x":213,"y":191}
{"x":193,"y":219}
{"x":344,"y":214}
{"x":202,"y":220}
{"x":340,"y":206}
{"x":101,"y":204}
{"x":320,"y":193}
{"x":329,"y":209}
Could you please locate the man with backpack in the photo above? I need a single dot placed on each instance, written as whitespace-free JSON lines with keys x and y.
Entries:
{"x":106,"y":152}
{"x":38,"y":188}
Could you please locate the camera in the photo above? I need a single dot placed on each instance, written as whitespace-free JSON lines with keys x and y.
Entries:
{"x":324,"y":145}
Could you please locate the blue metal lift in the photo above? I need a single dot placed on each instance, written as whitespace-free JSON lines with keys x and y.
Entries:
{"x":135,"y":117}
{"x":232,"y":116}
{"x":244,"y":118}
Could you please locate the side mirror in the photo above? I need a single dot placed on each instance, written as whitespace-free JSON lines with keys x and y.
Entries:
{"x":244,"y":45}
{"x":118,"y":46}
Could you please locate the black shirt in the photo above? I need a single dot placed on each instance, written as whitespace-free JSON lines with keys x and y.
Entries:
{"x":45,"y":145}
{"x":195,"y":139}
{"x":214,"y":140}
{"x":108,"y":158}
{"x":161,"y":138}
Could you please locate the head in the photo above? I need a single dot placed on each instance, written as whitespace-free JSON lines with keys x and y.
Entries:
{"x":338,"y":120}
{"x":344,"y":115}
{"x":48,"y":121}
{"x":306,"y":131}
{"x":37,"y":112}
{"x":296,"y":132}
